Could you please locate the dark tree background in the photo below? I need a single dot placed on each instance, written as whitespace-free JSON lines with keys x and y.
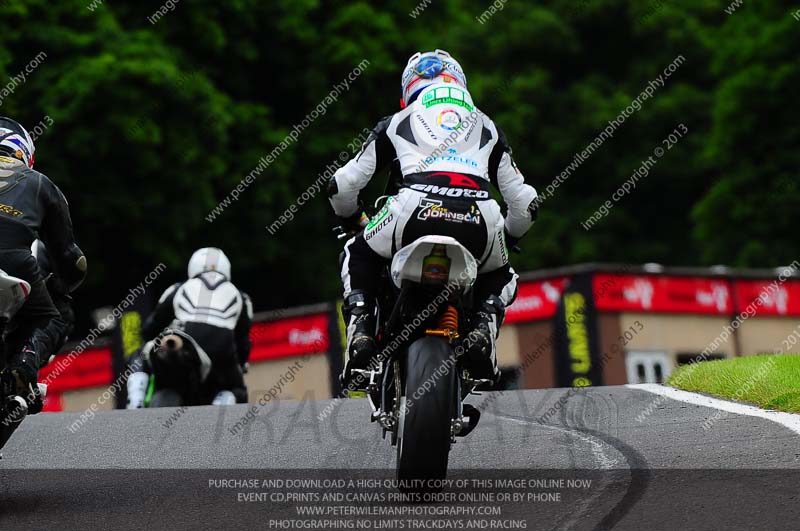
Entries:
{"x":154,"y":124}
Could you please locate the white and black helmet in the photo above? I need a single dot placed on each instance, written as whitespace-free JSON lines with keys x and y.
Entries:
{"x":15,"y":141}
{"x":209,"y":259}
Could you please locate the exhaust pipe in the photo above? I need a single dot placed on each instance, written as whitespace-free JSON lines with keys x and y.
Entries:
{"x":172,"y":343}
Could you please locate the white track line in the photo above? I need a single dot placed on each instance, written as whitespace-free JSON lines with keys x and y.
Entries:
{"x":606,"y":461}
{"x":788,"y":420}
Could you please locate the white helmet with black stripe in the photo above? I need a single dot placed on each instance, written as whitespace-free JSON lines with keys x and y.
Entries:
{"x":209,"y":259}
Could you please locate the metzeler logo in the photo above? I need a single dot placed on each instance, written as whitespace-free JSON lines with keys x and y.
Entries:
{"x":452,"y":158}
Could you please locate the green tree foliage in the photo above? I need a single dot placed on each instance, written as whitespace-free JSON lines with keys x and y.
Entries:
{"x":750,"y":215}
{"x":154,"y":124}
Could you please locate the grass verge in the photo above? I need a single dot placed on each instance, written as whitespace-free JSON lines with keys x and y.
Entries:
{"x":768,"y":381}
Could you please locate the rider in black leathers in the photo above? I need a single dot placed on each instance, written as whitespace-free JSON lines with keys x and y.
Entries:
{"x":31,"y":207}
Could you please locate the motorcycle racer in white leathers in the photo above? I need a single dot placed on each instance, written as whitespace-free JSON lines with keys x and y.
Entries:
{"x":443,"y":154}
{"x":216,"y":315}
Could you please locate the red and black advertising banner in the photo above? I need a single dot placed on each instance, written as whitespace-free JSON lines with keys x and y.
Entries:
{"x":91,"y":368}
{"x":536,"y":299}
{"x":317,"y":333}
{"x":668,"y":294}
{"x":292,"y":336}
{"x":577,"y":343}
{"x":777,"y":299}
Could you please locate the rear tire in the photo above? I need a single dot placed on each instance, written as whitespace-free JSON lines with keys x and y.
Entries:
{"x":426,"y":411}
{"x":166,"y":398}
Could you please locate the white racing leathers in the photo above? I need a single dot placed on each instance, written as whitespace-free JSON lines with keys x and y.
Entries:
{"x":444,"y":154}
{"x":210,"y":309}
{"x":209,"y":299}
{"x":447,"y":153}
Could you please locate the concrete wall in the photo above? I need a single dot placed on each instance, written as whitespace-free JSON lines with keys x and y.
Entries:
{"x":508,"y":354}
{"x":671,"y":334}
{"x":310,"y":380}
{"x":759,"y":335}
{"x":614,"y":363}
{"x":537,"y":354}
{"x":82,"y":399}
{"x":677,"y":334}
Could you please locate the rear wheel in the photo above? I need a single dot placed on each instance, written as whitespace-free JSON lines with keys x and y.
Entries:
{"x":426,"y":409}
{"x":166,"y":398}
{"x":12,"y":412}
{"x":13,"y":409}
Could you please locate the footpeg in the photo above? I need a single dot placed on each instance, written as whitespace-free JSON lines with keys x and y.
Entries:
{"x":469,"y":421}
{"x":469,"y":383}
{"x":365,"y":374}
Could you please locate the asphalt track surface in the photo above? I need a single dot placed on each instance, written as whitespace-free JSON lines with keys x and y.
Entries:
{"x":136,"y":470}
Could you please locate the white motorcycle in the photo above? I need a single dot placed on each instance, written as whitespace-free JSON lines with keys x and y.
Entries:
{"x":417,"y":385}
{"x":13,"y":408}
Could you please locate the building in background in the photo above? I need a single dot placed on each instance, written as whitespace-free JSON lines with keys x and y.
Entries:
{"x":592,"y":324}
{"x":611,"y":325}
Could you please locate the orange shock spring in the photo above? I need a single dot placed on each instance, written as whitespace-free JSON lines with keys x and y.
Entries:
{"x":449,"y":320}
{"x":448,"y":324}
